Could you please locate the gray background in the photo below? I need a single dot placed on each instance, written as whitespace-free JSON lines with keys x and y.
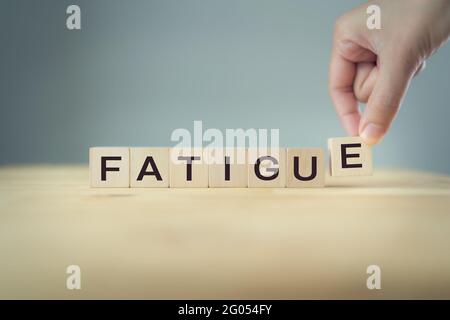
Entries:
{"x":139,"y":69}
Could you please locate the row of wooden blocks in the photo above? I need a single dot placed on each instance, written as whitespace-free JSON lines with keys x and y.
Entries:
{"x":202,"y":168}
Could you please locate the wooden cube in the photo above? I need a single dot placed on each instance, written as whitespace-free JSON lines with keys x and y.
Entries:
{"x":305,"y":168}
{"x":349,"y":156}
{"x":227,"y":167}
{"x":109,"y":167}
{"x":188,"y":168}
{"x":149,"y":167}
{"x":266,"y":167}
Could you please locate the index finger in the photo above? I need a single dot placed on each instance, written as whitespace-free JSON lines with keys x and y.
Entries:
{"x":341,"y":78}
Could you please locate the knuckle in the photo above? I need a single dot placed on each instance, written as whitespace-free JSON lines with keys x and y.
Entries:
{"x":341,"y":24}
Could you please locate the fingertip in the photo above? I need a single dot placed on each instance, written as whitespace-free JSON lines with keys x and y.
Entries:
{"x":350,"y":122}
{"x":372,"y":133}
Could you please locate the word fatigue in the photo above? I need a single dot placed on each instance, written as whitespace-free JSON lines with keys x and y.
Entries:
{"x":160,"y":167}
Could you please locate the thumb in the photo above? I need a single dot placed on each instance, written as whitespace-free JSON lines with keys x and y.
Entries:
{"x":394,"y":76}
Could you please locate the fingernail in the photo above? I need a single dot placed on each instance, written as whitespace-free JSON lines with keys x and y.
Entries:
{"x":372,"y":133}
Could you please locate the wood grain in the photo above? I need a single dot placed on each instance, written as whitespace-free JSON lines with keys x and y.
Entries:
{"x":223,"y":243}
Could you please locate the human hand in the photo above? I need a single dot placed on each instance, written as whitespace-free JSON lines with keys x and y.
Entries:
{"x":376,"y":66}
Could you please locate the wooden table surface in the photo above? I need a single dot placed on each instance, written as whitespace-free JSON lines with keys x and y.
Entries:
{"x":223,"y":243}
